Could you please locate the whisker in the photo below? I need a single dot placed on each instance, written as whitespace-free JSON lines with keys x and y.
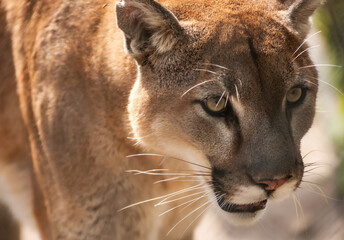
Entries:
{"x":197,"y":217}
{"x":205,"y":194}
{"x":227,"y":98}
{"x":154,"y":170}
{"x":164,"y":196}
{"x":296,"y":207}
{"x":320,"y":111}
{"x":215,"y":65}
{"x":188,"y":189}
{"x":182,"y":204}
{"x":310,"y":174}
{"x":163,"y":202}
{"x":186,"y":217}
{"x":197,"y":85}
{"x":240,"y":83}
{"x":312,"y":169}
{"x":159,"y":155}
{"x":320,"y":193}
{"x":162,"y":161}
{"x":312,"y":151}
{"x":299,"y":203}
{"x":169,"y":197}
{"x":138,"y":172}
{"x":317,"y":163}
{"x":186,"y":180}
{"x":315,"y":84}
{"x":158,"y":170}
{"x":178,"y":179}
{"x":206,"y":70}
{"x":320,"y":65}
{"x":305,"y":42}
{"x":237,"y":92}
{"x":328,"y":84}
{"x":218,"y":102}
{"x":304,"y":52}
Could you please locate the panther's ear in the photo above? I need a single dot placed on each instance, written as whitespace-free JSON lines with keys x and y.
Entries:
{"x":299,"y":12}
{"x":147,"y":27}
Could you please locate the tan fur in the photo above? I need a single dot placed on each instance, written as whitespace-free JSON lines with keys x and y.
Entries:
{"x":85,"y":105}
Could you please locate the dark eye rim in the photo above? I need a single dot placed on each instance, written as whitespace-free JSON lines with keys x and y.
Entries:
{"x":304,"y":90}
{"x":221,"y":113}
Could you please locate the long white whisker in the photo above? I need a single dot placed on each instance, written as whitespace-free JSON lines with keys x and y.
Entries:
{"x":304,"y":52}
{"x":320,"y":65}
{"x":159,"y":155}
{"x":240,"y":83}
{"x":299,"y":203}
{"x":206,"y":70}
{"x":162,"y":161}
{"x":296,"y":207}
{"x":197,"y":217}
{"x":320,"y":111}
{"x":182,"y":204}
{"x":330,"y":85}
{"x":227,"y":99}
{"x":305,"y":42}
{"x":144,"y":154}
{"x":320,"y":193}
{"x":164,"y":196}
{"x":178,"y":179}
{"x":169,"y":197}
{"x":218,"y":102}
{"x":165,"y":170}
{"x":186,"y":217}
{"x":197,"y":85}
{"x":310,"y":152}
{"x":155,"y":170}
{"x":237,"y":92}
{"x":163,"y":202}
{"x":157,"y":174}
{"x":219,"y":66}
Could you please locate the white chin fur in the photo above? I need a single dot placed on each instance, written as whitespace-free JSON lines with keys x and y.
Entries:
{"x":284,"y":191}
{"x":248,"y":194}
{"x":238,"y":219}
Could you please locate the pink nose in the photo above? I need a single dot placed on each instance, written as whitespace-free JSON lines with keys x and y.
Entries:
{"x":272,"y":184}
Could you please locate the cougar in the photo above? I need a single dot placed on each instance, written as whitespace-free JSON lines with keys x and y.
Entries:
{"x":130,"y":119}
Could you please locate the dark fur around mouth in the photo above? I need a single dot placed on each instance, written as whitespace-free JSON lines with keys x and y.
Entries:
{"x":240,"y":208}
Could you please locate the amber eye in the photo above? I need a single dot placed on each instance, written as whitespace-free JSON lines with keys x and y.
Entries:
{"x":215,"y":105}
{"x":295,"y":96}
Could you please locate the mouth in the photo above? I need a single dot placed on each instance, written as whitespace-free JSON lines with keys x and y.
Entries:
{"x":241,"y":208}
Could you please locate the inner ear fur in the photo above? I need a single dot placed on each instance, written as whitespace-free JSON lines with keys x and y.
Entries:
{"x":299,"y":12}
{"x":147,"y":27}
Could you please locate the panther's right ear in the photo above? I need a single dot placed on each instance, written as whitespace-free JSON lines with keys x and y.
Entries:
{"x":147,"y":27}
{"x":298,"y":13}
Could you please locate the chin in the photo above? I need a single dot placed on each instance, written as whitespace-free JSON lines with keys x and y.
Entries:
{"x":249,"y":205}
{"x":239,"y":218}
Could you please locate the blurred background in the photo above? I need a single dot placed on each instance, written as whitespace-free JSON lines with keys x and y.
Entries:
{"x":316,"y":211}
{"x":330,"y":20}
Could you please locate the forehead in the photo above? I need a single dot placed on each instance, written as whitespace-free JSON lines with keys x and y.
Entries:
{"x":247,"y":39}
{"x":256,"y":54}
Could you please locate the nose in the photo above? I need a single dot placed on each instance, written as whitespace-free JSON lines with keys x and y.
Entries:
{"x":272,"y":184}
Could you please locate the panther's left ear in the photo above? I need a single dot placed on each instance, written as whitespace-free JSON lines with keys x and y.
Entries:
{"x":298,"y":13}
{"x":148,"y":27}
